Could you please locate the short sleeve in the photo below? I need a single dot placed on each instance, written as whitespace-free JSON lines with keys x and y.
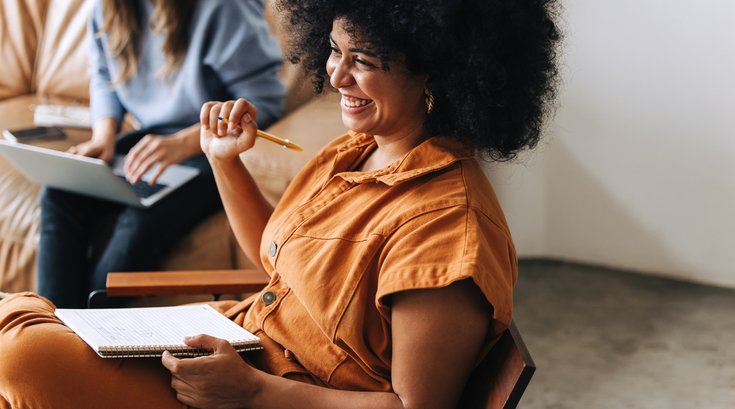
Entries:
{"x":440,"y":247}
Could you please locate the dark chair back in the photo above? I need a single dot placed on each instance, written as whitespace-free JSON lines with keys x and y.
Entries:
{"x":501,"y":378}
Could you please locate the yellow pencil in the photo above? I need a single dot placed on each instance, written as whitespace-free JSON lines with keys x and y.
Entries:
{"x":265,"y":135}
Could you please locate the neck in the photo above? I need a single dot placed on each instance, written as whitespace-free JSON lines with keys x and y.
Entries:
{"x":392,"y":148}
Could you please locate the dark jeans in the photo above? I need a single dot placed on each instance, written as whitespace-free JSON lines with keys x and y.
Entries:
{"x":73,"y":257}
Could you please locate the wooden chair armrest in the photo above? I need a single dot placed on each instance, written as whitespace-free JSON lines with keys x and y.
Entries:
{"x":185,"y":282}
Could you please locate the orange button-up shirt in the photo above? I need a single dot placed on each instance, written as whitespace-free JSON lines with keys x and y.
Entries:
{"x":341,"y":242}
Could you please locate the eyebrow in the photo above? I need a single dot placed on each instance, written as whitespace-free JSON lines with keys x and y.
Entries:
{"x":357,"y":50}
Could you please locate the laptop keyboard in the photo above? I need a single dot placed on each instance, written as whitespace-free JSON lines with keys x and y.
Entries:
{"x":143,"y":189}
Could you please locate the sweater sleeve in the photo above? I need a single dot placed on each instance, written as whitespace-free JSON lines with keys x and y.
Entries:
{"x":246,"y":58}
{"x":104,"y":101}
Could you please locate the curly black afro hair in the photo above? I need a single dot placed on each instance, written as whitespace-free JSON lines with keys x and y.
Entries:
{"x":491,"y":64}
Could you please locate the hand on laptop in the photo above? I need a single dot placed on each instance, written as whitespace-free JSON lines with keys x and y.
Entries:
{"x":164,"y":150}
{"x":102,"y":143}
{"x":95,"y":148}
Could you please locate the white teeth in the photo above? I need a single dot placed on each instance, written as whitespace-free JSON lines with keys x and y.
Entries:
{"x":354,"y":102}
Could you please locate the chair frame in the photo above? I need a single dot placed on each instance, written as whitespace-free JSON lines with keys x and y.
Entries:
{"x":498,"y":382}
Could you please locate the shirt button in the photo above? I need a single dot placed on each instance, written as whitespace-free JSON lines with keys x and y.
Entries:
{"x":272,"y":249}
{"x":268,"y":297}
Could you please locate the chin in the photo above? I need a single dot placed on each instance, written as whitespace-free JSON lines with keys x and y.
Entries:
{"x":353,"y":125}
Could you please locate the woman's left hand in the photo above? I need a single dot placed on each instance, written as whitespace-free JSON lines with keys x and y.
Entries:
{"x":220,"y":380}
{"x":164,"y":150}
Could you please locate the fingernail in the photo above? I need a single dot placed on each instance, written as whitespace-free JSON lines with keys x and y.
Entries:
{"x":248,"y":119}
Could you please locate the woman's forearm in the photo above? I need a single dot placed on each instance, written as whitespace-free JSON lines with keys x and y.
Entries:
{"x":280,"y":393}
{"x":246,"y":208}
{"x":105,"y":129}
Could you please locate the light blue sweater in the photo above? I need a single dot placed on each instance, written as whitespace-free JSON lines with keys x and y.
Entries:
{"x":231,"y":54}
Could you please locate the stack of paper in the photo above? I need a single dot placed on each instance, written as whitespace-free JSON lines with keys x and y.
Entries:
{"x":60,"y":115}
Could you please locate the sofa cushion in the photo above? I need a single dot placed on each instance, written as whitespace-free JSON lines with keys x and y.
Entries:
{"x":210,"y":245}
{"x":19,"y":217}
{"x":62,"y":65}
{"x":21,"y":23}
{"x":17,"y":112}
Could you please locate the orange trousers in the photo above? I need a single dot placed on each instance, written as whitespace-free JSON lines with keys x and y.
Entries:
{"x":43,"y":364}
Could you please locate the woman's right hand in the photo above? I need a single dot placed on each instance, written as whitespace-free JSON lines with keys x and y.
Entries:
{"x":102,"y":143}
{"x":102,"y":148}
{"x":227,"y":139}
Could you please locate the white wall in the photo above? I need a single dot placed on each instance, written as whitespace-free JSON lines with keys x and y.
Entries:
{"x":638,"y":168}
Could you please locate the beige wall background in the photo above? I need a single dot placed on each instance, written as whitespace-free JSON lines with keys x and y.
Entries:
{"x":638,"y":167}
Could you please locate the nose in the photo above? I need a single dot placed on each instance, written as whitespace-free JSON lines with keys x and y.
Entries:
{"x":339,"y":73}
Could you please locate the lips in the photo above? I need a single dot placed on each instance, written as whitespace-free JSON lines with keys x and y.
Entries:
{"x":353,"y":102}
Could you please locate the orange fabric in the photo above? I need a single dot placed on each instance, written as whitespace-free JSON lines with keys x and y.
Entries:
{"x":341,"y":242}
{"x":45,"y":365}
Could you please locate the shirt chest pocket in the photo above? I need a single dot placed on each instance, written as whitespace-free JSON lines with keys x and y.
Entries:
{"x":324,"y":274}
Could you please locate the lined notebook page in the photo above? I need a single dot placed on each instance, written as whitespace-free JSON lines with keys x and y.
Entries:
{"x":151,"y":327}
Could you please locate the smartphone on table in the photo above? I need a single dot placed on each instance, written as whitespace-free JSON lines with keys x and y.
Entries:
{"x":34,"y":134}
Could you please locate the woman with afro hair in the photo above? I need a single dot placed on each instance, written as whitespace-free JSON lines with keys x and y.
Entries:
{"x":390,"y":261}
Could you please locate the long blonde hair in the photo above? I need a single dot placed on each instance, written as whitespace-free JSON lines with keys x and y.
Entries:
{"x":121,"y":22}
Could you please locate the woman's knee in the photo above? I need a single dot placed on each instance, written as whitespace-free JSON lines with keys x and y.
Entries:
{"x":25,"y":321}
{"x":38,"y":351}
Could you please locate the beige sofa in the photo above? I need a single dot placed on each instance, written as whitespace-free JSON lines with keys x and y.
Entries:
{"x":42,"y":59}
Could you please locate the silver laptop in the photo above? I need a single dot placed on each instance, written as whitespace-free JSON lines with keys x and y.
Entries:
{"x":91,"y":176}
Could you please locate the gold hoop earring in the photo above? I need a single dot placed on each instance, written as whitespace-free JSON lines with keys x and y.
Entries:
{"x":429,"y":100}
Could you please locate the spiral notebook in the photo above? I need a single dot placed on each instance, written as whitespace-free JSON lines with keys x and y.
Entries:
{"x":147,"y":332}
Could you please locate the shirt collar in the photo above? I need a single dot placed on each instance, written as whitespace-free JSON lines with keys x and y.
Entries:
{"x":431,"y":155}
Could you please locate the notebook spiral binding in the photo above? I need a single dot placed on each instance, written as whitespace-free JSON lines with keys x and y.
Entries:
{"x":155,"y":351}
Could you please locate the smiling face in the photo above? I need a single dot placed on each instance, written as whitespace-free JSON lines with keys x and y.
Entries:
{"x":384,"y":103}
